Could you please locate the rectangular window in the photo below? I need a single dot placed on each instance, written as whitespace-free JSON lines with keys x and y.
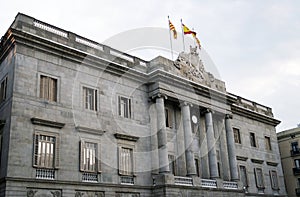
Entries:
{"x":169,"y":118}
{"x":45,"y":151}
{"x":172,"y":165}
{"x":197,"y":167}
{"x":48,"y":88}
{"x":124,"y":107}
{"x":259,"y":177}
{"x":90,"y":98}
{"x":237,"y":137}
{"x":297,"y":163}
{"x":274,"y":179}
{"x":268,"y":143}
{"x":294,"y":146}
{"x":89,"y":159}
{"x":252,"y":140}
{"x":243,"y":176}
{"x":3,"y":89}
{"x":126,"y":161}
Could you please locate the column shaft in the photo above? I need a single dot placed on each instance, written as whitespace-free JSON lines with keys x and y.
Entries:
{"x":231,"y":150}
{"x":212,"y":156}
{"x":188,"y":140}
{"x":162,"y":136}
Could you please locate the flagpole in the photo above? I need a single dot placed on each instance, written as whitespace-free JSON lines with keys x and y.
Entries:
{"x":170,"y":38}
{"x":182,"y":36}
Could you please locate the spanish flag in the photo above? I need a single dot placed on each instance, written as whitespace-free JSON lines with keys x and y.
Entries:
{"x":186,"y":30}
{"x":172,"y":28}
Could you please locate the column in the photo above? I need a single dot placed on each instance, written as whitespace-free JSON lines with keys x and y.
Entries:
{"x":223,"y":149}
{"x":231,"y":149}
{"x":162,"y":136}
{"x":188,"y":139}
{"x":212,"y":155}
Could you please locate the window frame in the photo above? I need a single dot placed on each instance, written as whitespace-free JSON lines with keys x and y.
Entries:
{"x":258,"y":172}
{"x":36,"y":141}
{"x":274,"y":183}
{"x":95,"y":96}
{"x":268,"y":143}
{"x":246,"y":175}
{"x":97,"y":157}
{"x":238,"y":139}
{"x":169,"y":117}
{"x":127,"y":107}
{"x":253,"y":142}
{"x":120,"y":161}
{"x":3,"y":89}
{"x":40,"y":75}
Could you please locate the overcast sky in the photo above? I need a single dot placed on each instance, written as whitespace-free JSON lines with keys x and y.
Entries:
{"x":255,"y":44}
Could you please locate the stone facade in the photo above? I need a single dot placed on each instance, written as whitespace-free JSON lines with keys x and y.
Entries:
{"x":82,"y":119}
{"x":288,"y":141}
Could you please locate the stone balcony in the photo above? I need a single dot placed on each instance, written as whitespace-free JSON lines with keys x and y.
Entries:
{"x":169,"y":179}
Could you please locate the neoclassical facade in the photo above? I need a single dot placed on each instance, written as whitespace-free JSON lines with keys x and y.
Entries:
{"x":82,"y":119}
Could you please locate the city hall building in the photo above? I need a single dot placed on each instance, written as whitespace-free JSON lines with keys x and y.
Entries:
{"x":80,"y":119}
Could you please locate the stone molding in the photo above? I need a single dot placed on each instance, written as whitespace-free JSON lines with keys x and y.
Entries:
{"x":126,"y":137}
{"x":257,"y":161}
{"x":89,"y":130}
{"x":47,"y":123}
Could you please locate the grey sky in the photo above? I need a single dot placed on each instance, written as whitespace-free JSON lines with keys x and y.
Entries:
{"x":254,"y":44}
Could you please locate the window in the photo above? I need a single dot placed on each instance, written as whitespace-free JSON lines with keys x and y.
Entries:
{"x":172,"y":164}
{"x":294,"y":146}
{"x":169,"y":118}
{"x":3,"y":89}
{"x":243,"y":176}
{"x":259,"y":178}
{"x":197,"y":167}
{"x":126,"y":161}
{"x":45,"y":151}
{"x":90,"y":98}
{"x":48,"y":88}
{"x":268,"y":143}
{"x":297,"y":163}
{"x":89,"y":159}
{"x":274,"y":179}
{"x":252,"y":140}
{"x":1,"y":146}
{"x":124,"y":107}
{"x":237,"y":137}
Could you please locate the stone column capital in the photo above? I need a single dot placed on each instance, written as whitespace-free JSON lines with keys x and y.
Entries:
{"x":185,"y":103}
{"x":228,"y":116}
{"x":159,"y":95}
{"x":207,"y":110}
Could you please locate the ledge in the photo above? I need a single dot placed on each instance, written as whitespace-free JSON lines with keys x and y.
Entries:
{"x":270,"y":163}
{"x":241,"y":158}
{"x":126,"y":137}
{"x":47,"y":123}
{"x":257,"y":161}
{"x":89,"y":130}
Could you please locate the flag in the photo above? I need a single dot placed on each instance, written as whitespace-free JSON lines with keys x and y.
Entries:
{"x":172,"y":28}
{"x":186,"y":30}
{"x":197,"y":40}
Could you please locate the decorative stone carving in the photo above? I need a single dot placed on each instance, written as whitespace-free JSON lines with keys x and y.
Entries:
{"x":43,"y":193}
{"x":31,"y":193}
{"x":89,"y":194}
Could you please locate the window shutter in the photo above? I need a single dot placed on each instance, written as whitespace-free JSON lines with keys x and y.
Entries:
{"x":120,"y":161}
{"x":119,"y":105}
{"x":56,"y":161}
{"x":98,"y":158}
{"x":54,"y":90}
{"x":81,"y":155}
{"x":129,"y":108}
{"x":35,"y":149}
{"x":95,"y":103}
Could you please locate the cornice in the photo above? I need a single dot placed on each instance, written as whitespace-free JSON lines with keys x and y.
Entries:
{"x":47,"y":123}
{"x":126,"y":137}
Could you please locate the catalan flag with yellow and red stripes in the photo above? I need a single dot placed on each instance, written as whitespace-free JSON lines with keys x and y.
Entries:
{"x":172,"y":29}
